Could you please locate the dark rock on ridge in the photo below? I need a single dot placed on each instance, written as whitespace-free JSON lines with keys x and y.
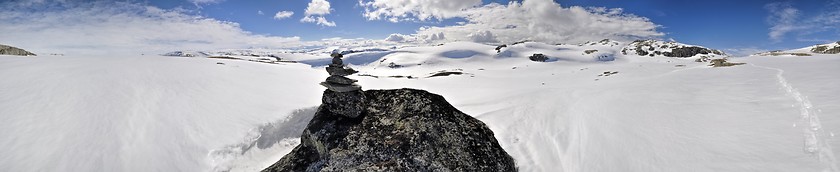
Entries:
{"x":687,"y":52}
{"x":399,"y":130}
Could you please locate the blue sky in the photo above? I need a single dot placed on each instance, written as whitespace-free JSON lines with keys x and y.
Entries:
{"x":722,"y":24}
{"x":739,"y":26}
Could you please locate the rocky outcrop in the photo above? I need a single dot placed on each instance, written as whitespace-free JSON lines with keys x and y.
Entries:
{"x":723,"y":63}
{"x":668,"y":49}
{"x":399,"y":130}
{"x":499,"y":48}
{"x":538,"y":58}
{"x":833,"y":48}
{"x":192,"y":54}
{"x":686,"y":52}
{"x":9,"y":50}
{"x":603,"y":42}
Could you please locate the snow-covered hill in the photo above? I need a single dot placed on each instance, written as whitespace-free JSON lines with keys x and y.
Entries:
{"x":655,"y":48}
{"x":588,"y":108}
{"x":830,"y":48}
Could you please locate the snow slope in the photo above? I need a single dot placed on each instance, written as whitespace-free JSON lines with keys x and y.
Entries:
{"x":64,"y":113}
{"x":655,"y":114}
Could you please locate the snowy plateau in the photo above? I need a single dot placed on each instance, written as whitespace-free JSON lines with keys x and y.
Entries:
{"x":597,"y":106}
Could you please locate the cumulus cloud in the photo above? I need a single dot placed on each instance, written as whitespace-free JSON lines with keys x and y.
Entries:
{"x":416,"y":39}
{"x":320,"y":20}
{"x":399,"y":10}
{"x":483,"y":36}
{"x":315,"y":11}
{"x":783,"y":18}
{"x":102,"y":27}
{"x":396,"y":38}
{"x":546,"y":21}
{"x":260,"y":12}
{"x":283,"y":15}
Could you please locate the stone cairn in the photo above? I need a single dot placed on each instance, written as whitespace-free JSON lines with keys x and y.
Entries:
{"x":343,"y":96}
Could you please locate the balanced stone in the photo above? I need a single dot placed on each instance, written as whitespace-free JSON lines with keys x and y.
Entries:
{"x":337,"y":60}
{"x":341,"y":87}
{"x":340,"y":71}
{"x":340,"y":80}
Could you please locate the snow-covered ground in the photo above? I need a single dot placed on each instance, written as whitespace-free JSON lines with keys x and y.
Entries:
{"x":155,"y":113}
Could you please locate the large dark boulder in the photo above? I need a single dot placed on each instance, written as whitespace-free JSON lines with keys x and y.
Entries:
{"x":9,"y":50}
{"x":399,"y":130}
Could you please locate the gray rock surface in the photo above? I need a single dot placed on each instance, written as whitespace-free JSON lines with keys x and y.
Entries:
{"x":398,"y":130}
{"x":9,"y":50}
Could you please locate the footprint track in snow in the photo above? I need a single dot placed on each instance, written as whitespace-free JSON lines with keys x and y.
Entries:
{"x":815,"y":142}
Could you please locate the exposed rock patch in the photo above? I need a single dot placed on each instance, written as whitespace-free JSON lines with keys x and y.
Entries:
{"x":723,"y":63}
{"x":538,"y":58}
{"x":827,"y":48}
{"x":499,"y":48}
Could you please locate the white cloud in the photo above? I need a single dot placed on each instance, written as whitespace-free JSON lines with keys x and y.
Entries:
{"x":786,"y":20}
{"x":546,"y":21}
{"x":318,"y":7}
{"x":315,"y":11}
{"x":199,"y":2}
{"x":320,"y":20}
{"x":102,"y":27}
{"x":739,"y":52}
{"x":283,"y":15}
{"x":783,"y":18}
{"x":396,"y":38}
{"x":400,"y":10}
{"x":260,"y":12}
{"x":483,"y":36}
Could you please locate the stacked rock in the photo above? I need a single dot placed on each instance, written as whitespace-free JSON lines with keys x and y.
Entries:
{"x":343,"y":96}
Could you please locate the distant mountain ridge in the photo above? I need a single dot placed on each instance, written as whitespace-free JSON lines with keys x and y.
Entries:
{"x":830,"y":48}
{"x":9,"y":50}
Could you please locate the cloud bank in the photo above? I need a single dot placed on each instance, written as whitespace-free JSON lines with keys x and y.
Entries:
{"x":401,"y":10}
{"x":535,"y":20}
{"x":103,"y":27}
